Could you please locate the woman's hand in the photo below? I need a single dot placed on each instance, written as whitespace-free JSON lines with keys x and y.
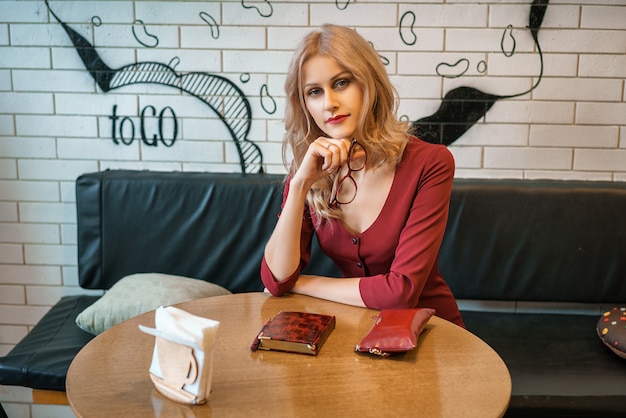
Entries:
{"x":323,"y":157}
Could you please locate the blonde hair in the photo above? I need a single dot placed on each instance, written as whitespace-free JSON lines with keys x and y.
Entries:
{"x":381,"y":133}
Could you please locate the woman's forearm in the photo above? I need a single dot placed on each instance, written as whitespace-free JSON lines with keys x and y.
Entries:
{"x":344,"y":290}
{"x":282,"y":252}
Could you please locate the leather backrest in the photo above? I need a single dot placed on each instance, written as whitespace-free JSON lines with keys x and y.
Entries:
{"x":536,"y":241}
{"x":211,"y":226}
{"x":505,"y":239}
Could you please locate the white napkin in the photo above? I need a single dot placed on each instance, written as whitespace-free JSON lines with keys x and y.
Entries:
{"x":181,"y":366}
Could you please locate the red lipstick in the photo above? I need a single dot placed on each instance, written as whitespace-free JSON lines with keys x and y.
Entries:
{"x":336,"y":119}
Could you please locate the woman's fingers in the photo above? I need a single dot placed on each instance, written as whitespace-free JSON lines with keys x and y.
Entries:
{"x":323,"y":157}
{"x":331,"y":159}
{"x":333,"y":151}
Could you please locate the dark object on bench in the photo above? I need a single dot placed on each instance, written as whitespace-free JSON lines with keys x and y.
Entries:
{"x":524,"y":241}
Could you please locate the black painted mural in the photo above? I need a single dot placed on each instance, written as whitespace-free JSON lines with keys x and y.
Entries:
{"x":459,"y":110}
{"x":462,"y":107}
{"x":220,"y":94}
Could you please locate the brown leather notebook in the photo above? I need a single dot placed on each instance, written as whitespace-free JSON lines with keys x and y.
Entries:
{"x":295,"y":332}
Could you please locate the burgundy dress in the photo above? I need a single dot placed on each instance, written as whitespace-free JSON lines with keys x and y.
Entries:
{"x":397,"y":256}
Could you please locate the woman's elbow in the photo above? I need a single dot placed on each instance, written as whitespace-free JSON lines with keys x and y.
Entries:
{"x":400,"y":295}
{"x":275,"y":291}
{"x":273,"y":286}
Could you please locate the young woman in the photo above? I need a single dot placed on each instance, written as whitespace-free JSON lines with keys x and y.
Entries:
{"x":376,"y":198}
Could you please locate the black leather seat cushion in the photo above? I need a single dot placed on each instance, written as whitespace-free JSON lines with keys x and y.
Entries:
{"x":42,"y":358}
{"x":557,"y":363}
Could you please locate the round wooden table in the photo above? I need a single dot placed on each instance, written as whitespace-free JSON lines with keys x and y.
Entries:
{"x":451,"y":373}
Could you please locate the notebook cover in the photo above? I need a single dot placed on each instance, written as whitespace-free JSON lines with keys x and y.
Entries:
{"x":296,"y":332}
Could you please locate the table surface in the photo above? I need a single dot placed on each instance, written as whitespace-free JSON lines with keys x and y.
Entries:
{"x":451,"y":372}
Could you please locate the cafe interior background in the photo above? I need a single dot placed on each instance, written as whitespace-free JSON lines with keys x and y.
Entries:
{"x":546,"y":81}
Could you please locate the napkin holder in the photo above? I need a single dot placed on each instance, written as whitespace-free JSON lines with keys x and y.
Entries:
{"x":181,"y":367}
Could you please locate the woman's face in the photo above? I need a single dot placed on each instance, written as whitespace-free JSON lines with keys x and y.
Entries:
{"x":332,"y":96}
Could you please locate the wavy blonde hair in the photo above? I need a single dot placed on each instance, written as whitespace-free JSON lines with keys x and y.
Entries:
{"x":380,"y":132}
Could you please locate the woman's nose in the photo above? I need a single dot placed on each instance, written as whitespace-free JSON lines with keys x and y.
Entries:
{"x":331,"y":101}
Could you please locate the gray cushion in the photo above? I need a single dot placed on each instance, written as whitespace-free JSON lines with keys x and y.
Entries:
{"x":139,"y":293}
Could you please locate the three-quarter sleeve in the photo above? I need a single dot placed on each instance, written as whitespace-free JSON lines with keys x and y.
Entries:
{"x":278,"y":288}
{"x":413,"y":271}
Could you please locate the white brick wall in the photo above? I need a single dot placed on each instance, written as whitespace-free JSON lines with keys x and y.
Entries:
{"x":55,"y":122}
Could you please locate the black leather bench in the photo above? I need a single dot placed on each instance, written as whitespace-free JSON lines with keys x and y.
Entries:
{"x":515,"y":241}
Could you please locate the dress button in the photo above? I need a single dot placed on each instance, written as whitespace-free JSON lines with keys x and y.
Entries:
{"x":353,"y":240}
{"x":359,"y":264}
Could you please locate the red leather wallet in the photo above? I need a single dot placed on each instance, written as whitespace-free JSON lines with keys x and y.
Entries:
{"x":395,"y":331}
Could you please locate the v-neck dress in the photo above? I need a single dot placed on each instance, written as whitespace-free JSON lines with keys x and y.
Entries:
{"x":397,"y":256}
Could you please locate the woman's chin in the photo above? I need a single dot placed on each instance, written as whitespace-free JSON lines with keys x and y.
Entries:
{"x":340,"y":134}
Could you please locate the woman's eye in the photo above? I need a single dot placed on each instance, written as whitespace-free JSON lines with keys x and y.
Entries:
{"x":342,"y":83}
{"x":314,"y":92}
